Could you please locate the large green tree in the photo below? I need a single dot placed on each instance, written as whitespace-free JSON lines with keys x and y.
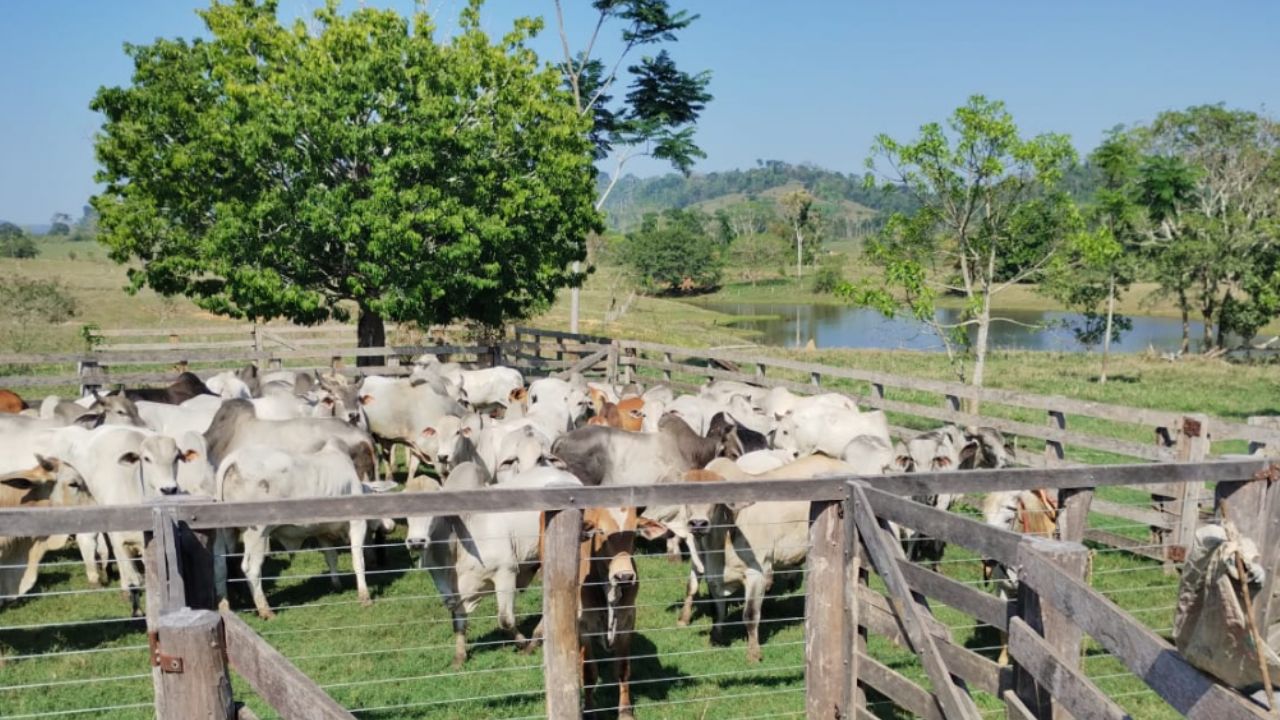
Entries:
{"x":1214,"y":182}
{"x":304,"y":170}
{"x":657,"y":114}
{"x":674,"y":253}
{"x":983,"y":194}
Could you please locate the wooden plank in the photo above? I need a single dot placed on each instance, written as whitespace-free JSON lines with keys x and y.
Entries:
{"x":828,"y":644}
{"x":1124,"y":542}
{"x":36,"y":522}
{"x":954,"y":594}
{"x":1060,"y":677}
{"x":1073,"y":513}
{"x":1056,"y":628}
{"x":893,"y":685}
{"x":200,"y":688}
{"x":876,"y":615}
{"x":1014,"y":709}
{"x":1144,"y":515}
{"x":992,"y":542}
{"x":584,"y":364}
{"x":1085,"y":476}
{"x":1144,"y":653}
{"x":108,"y":351}
{"x":561,"y":663}
{"x":276,"y":680}
{"x":951,"y":700}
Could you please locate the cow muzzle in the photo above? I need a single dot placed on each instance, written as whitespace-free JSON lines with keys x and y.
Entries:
{"x":170,"y":490}
{"x":699,"y":526}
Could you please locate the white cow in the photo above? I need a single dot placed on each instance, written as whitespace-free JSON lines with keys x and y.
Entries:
{"x":398,"y":410}
{"x":470,"y":556}
{"x":827,"y":430}
{"x":257,"y":472}
{"x":722,"y":391}
{"x":228,"y":385}
{"x":781,"y":402}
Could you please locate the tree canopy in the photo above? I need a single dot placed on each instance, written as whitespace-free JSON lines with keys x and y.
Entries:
{"x":297,"y":171}
{"x":674,"y":253}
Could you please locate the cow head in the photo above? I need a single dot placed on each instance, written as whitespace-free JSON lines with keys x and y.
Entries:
{"x":157,"y":459}
{"x":986,"y":447}
{"x":51,"y":481}
{"x":347,"y":401}
{"x":111,"y":409}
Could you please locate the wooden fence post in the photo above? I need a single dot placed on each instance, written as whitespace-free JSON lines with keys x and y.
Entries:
{"x":611,"y":365}
{"x":628,"y":370}
{"x":760,"y":370}
{"x":1192,"y":446}
{"x":190,"y":655}
{"x":951,"y":402}
{"x":1049,"y":622}
{"x":815,"y":379}
{"x":91,"y":376}
{"x":1054,"y":452}
{"x":666,"y":372}
{"x":828,"y":646}
{"x":561,"y":666}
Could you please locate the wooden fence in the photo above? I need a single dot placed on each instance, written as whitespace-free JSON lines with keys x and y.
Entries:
{"x":850,"y":542}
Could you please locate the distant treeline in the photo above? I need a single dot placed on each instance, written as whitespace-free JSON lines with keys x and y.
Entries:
{"x":633,"y":197}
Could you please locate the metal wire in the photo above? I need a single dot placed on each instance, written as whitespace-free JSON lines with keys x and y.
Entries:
{"x":78,"y":681}
{"x":79,"y":711}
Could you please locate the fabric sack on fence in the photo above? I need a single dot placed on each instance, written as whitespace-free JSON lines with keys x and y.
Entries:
{"x":1210,"y":626}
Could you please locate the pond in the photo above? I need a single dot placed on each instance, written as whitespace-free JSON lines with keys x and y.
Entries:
{"x":831,"y":326}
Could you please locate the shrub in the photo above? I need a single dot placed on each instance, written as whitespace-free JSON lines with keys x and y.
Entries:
{"x":830,"y":275}
{"x":673,"y":253}
{"x":30,"y":307}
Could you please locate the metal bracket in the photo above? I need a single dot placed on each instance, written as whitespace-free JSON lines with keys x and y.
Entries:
{"x":166,"y":663}
{"x":1270,"y":473}
{"x":1176,"y":553}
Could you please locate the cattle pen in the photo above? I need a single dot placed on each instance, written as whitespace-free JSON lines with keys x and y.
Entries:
{"x":868,"y":634}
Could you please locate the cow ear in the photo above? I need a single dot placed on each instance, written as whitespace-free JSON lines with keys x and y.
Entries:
{"x":589,"y":529}
{"x":651,"y":529}
{"x":555,"y":462}
{"x":969,"y":452}
{"x":429,"y":432}
{"x":190,"y":456}
{"x":48,"y":464}
{"x":941,"y":461}
{"x":129,"y":458}
{"x":89,"y":421}
{"x":465,"y":431}
{"x":902,"y":463}
{"x":19,"y":482}
{"x":1011,"y":449}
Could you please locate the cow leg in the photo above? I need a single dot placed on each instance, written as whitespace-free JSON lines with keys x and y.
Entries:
{"x":130,"y":578}
{"x":622,"y":650}
{"x":331,"y":562}
{"x":257,"y":541}
{"x":721,"y":605}
{"x":690,"y":592}
{"x":358,"y":529}
{"x":223,"y":545}
{"x":753,"y":591}
{"x":104,"y":556}
{"x":88,"y":544}
{"x":504,"y":590}
{"x":459,"y":638}
{"x":590,"y":675}
{"x":34,"y":556}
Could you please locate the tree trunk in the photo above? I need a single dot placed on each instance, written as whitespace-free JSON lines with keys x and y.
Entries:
{"x":799,"y":254}
{"x":1207,"y":343}
{"x":1186,"y":322}
{"x":980,"y":350}
{"x":1106,"y":337}
{"x":370,"y":333}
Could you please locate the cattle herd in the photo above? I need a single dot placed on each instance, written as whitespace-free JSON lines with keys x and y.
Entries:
{"x":248,"y":435}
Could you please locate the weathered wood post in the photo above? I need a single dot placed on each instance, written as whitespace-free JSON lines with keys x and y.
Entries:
{"x":828,"y":646}
{"x":1061,"y":634}
{"x":189,"y":654}
{"x":629,"y":370}
{"x":951,"y":402}
{"x":1054,"y":452}
{"x":666,"y":371}
{"x":815,"y":379}
{"x":560,"y":598}
{"x":91,"y":376}
{"x":1254,"y":508}
{"x":1192,"y":446}
{"x":611,"y":365}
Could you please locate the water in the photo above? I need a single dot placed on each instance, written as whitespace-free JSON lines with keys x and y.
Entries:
{"x":830,"y":326}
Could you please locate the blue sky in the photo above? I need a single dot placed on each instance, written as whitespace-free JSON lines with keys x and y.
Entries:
{"x":802,"y":81}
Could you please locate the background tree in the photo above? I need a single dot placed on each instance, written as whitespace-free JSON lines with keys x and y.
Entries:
{"x":977,"y":187}
{"x":298,"y":172}
{"x":757,"y":253}
{"x":30,"y":307}
{"x":60,"y":225}
{"x":1225,"y":235}
{"x":656,"y":116}
{"x":15,"y":242}
{"x":802,"y":219}
{"x":1099,"y":265}
{"x":673,"y":253}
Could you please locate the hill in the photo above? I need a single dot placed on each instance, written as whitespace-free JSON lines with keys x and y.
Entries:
{"x":843,"y":199}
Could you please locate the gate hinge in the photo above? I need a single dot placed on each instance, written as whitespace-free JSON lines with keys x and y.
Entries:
{"x":166,"y":663}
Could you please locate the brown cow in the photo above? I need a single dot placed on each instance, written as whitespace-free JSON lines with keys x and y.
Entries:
{"x":626,"y":414}
{"x":51,"y":482}
{"x":11,"y":402}
{"x":609,"y":588}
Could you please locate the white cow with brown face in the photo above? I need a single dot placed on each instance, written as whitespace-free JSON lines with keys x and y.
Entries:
{"x":48,"y":483}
